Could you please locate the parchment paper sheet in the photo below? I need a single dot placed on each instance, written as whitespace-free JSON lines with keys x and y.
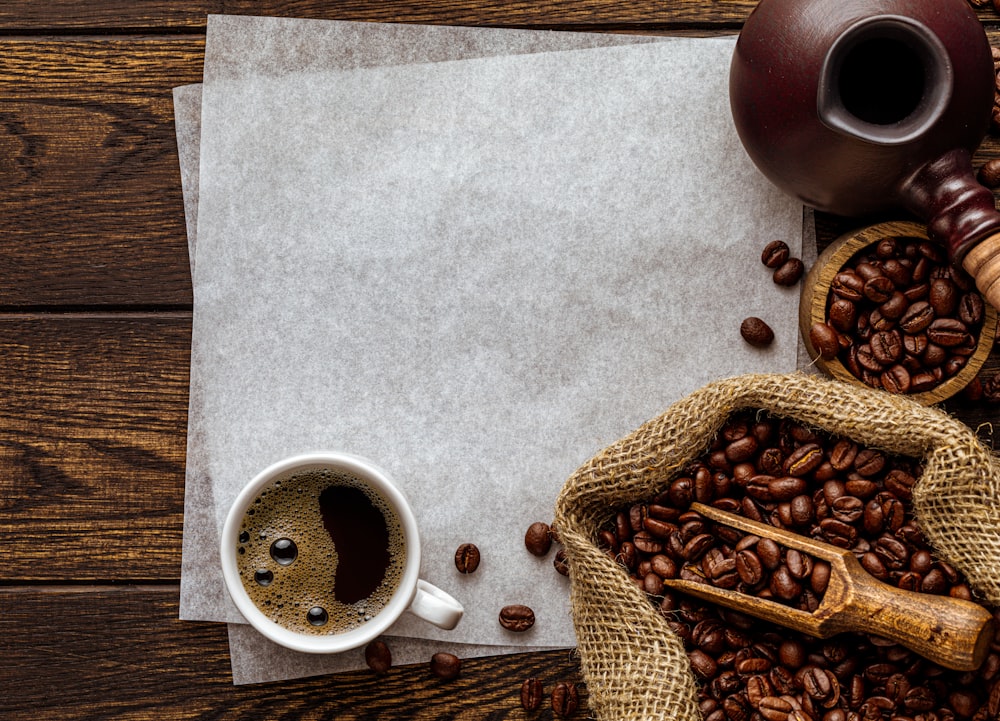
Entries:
{"x":275,"y":47}
{"x":521,"y":324}
{"x":344,"y":44}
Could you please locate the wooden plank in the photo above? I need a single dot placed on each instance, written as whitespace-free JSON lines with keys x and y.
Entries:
{"x":92,"y":446}
{"x":64,"y":15}
{"x":88,"y":653}
{"x":91,"y":211}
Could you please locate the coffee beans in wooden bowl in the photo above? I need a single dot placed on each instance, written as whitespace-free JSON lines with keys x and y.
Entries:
{"x":781,"y":472}
{"x":884,"y":307}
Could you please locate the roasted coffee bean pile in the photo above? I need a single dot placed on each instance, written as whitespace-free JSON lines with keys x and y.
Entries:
{"x":900,"y":317}
{"x":779,"y":472}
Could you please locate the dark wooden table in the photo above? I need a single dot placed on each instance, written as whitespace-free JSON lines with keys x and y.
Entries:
{"x":95,"y":325}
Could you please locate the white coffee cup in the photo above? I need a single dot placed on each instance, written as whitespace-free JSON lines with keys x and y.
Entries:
{"x":412,"y":594}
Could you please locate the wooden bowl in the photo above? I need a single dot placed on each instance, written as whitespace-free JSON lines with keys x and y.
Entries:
{"x":816,"y":290}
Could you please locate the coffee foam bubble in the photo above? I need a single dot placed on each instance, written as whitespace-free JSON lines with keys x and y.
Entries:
{"x":290,"y":508}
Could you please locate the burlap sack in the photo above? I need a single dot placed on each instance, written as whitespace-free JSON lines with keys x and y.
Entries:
{"x":634,"y":667}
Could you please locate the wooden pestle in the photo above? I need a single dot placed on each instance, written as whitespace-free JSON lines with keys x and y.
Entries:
{"x":951,"y":632}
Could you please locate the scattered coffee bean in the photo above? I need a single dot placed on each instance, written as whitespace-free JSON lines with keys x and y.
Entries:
{"x":538,"y":538}
{"x":446,"y":666}
{"x":775,"y":254}
{"x":378,"y":656}
{"x":565,"y":699}
{"x":788,"y":273}
{"x":517,"y":618}
{"x":467,"y":558}
{"x":532,"y":692}
{"x":756,"y":332}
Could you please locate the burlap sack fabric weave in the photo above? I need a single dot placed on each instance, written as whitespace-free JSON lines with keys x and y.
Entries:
{"x":634,"y":666}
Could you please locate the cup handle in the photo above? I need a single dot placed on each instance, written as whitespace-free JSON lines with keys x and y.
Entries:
{"x":432,"y":604}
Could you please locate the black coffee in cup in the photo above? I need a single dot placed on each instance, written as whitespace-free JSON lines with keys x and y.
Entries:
{"x":320,"y":551}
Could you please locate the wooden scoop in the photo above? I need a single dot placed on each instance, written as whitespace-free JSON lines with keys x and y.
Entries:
{"x":948,"y":631}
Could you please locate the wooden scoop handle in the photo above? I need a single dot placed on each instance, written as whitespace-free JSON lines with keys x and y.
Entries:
{"x":951,"y":632}
{"x":982,"y":262}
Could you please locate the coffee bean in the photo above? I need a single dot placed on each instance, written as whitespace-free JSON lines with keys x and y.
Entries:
{"x":824,"y":340}
{"x":709,"y":635}
{"x":971,"y":309}
{"x":740,"y":450}
{"x":467,"y":558}
{"x":848,"y":509}
{"x":538,"y":538}
{"x":879,"y":289}
{"x":756,"y":332}
{"x":943,"y":297}
{"x":874,"y":565}
{"x":896,"y":379}
{"x":775,"y":253}
{"x":887,"y":347}
{"x":919,"y":699}
{"x":848,"y":285}
{"x":917,"y":317}
{"x":946,"y":332}
{"x":804,"y":460}
{"x":799,"y":564}
{"x":561,"y":562}
{"x":378,"y":657}
{"x":788,"y":273}
{"x":517,"y":618}
{"x":446,"y":666}
{"x":749,"y":567}
{"x":893,"y":308}
{"x":703,"y":665}
{"x":784,"y":585}
{"x":531,"y":694}
{"x":663,"y":566}
{"x":645,"y":543}
{"x":788,"y":487}
{"x":769,"y":553}
{"x":821,"y":685}
{"x":565,"y":699}
{"x":869,"y":462}
{"x":843,"y":314}
{"x":801,"y":509}
{"x":774,"y":708}
{"x":697,"y":546}
{"x":892,"y":551}
{"x":838,"y":533}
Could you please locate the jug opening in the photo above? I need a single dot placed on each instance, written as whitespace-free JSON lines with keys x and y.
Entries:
{"x":885,"y":80}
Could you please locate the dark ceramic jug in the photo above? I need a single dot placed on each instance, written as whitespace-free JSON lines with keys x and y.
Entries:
{"x":858,"y":106}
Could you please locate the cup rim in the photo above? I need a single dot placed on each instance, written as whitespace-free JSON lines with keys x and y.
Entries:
{"x":326,"y":643}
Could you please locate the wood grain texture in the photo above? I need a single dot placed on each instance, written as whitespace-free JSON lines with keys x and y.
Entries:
{"x":26,"y":15}
{"x":91,"y":211}
{"x":92,"y":446}
{"x":120,"y":653}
